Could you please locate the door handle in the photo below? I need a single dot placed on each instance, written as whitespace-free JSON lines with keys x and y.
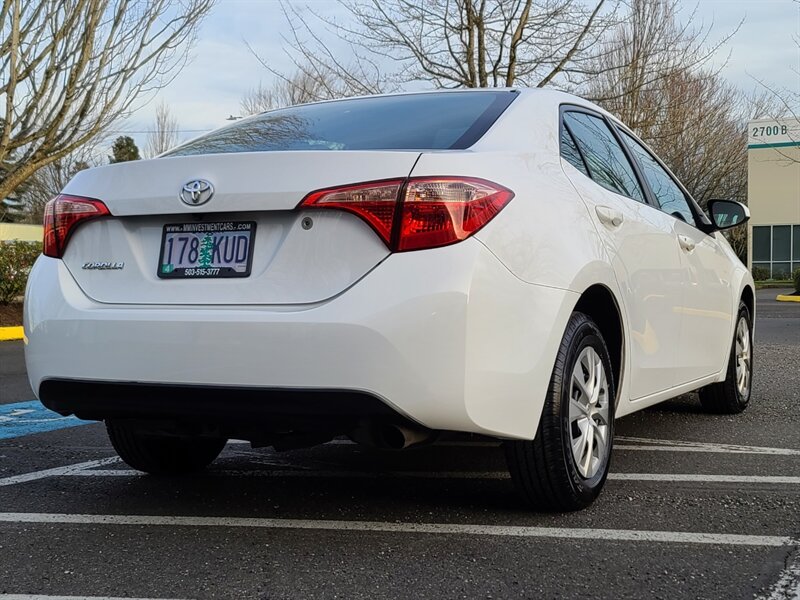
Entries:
{"x":608,"y":216}
{"x":686,"y":243}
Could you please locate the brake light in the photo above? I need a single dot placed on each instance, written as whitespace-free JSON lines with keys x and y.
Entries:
{"x":62,"y":215}
{"x":418,"y":213}
{"x":375,"y":202}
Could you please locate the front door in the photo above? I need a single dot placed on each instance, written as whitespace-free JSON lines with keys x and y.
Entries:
{"x":706,"y":270}
{"x":708,"y":310}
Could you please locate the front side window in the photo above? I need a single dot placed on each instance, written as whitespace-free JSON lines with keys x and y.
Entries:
{"x":434,"y":121}
{"x":605,"y":159}
{"x":669,"y":195}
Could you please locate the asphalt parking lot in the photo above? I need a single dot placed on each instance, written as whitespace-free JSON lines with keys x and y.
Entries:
{"x":697,"y":506}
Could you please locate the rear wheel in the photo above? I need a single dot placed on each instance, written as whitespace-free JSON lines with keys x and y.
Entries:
{"x":160,"y":454}
{"x":565,"y":466}
{"x":732,"y":396}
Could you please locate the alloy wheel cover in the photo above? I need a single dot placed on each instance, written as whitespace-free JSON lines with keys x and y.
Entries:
{"x":589,"y":412}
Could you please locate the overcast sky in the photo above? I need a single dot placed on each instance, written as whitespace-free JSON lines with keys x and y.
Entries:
{"x":223,"y":69}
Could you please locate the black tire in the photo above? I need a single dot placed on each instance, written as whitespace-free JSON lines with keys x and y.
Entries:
{"x":160,"y":454}
{"x":726,"y":397}
{"x":545,"y":470}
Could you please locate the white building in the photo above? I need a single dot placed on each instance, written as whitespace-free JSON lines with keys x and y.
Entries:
{"x":773,"y":192}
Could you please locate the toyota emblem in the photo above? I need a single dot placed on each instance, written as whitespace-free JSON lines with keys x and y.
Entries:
{"x":196,"y":192}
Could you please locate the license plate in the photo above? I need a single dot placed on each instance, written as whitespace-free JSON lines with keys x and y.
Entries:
{"x":206,"y":250}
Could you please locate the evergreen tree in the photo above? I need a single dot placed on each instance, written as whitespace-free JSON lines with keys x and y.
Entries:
{"x":206,"y":251}
{"x":12,"y":209}
{"x":124,"y":149}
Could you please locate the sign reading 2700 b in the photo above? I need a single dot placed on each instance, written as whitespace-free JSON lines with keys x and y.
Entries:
{"x":767,"y":133}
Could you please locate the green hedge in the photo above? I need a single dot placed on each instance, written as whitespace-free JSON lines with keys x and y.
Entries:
{"x":796,"y":277}
{"x":760,"y":274}
{"x":16,"y":260}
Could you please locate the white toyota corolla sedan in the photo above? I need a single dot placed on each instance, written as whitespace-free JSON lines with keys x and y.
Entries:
{"x":513,"y":263}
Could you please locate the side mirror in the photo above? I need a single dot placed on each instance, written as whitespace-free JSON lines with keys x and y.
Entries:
{"x":727,"y":213}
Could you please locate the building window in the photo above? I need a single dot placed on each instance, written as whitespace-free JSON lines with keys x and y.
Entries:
{"x":796,"y":245}
{"x":781,"y":270}
{"x":781,"y":242}
{"x":777,"y":249}
{"x":762,"y":244}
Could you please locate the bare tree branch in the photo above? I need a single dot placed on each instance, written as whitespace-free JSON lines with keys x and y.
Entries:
{"x":301,"y":88}
{"x":48,"y":181}
{"x":574,"y":49}
{"x":164,"y":134}
{"x":654,"y":74}
{"x":445,"y":43}
{"x":70,"y":68}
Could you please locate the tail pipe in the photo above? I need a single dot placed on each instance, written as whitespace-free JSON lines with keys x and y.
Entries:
{"x":393,"y":436}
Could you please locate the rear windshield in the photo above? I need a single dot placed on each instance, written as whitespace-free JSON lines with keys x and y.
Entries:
{"x":437,"y":121}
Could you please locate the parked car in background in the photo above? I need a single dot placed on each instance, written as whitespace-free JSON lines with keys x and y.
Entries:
{"x":513,"y":263}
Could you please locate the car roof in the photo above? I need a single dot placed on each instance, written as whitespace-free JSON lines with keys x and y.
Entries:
{"x":541,"y":94}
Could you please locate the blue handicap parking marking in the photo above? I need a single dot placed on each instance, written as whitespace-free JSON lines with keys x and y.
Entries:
{"x":26,"y":418}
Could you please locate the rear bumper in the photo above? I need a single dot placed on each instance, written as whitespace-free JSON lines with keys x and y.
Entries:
{"x":250,"y":413}
{"x":448,"y":338}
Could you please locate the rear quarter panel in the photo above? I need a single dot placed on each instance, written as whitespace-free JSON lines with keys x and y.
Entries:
{"x":546,"y":240}
{"x":544,"y":235}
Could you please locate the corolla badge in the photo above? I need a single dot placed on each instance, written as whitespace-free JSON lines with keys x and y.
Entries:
{"x":196,"y":192}
{"x":104,"y":265}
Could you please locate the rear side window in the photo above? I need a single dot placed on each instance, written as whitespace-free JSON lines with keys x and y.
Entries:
{"x":605,"y":159}
{"x":436,"y":121}
{"x":670,"y":196}
{"x":570,"y":152}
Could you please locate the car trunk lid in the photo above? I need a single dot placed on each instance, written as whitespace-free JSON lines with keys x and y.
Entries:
{"x":298,"y":257}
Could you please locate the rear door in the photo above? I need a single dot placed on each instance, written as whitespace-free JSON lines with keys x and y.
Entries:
{"x":641,"y":244}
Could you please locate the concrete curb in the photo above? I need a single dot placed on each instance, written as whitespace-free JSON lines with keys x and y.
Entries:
{"x":787,"y":298}
{"x":11,"y":333}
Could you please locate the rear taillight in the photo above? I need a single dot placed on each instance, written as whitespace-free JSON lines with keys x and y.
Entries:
{"x":375,"y":202}
{"x":418,"y":213}
{"x":62,"y":215}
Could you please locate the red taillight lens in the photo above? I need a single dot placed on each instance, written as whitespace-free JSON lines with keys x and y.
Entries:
{"x":62,"y":215}
{"x":421,"y":212}
{"x":444,"y":210}
{"x":375,"y":202}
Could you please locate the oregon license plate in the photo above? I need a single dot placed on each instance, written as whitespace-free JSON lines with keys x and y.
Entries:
{"x":206,"y":250}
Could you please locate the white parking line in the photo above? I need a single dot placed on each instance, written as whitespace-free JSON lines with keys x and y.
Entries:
{"x":58,"y":471}
{"x":701,"y":478}
{"x":456,"y":443}
{"x":301,"y":473}
{"x":634,"y":444}
{"x":676,"y":537}
{"x":641,"y":444}
{"x":658,"y":445}
{"x":46,"y":597}
{"x":788,"y":585}
{"x":445,"y":443}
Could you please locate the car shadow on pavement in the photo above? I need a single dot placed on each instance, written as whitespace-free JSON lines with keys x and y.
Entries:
{"x":686,"y":404}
